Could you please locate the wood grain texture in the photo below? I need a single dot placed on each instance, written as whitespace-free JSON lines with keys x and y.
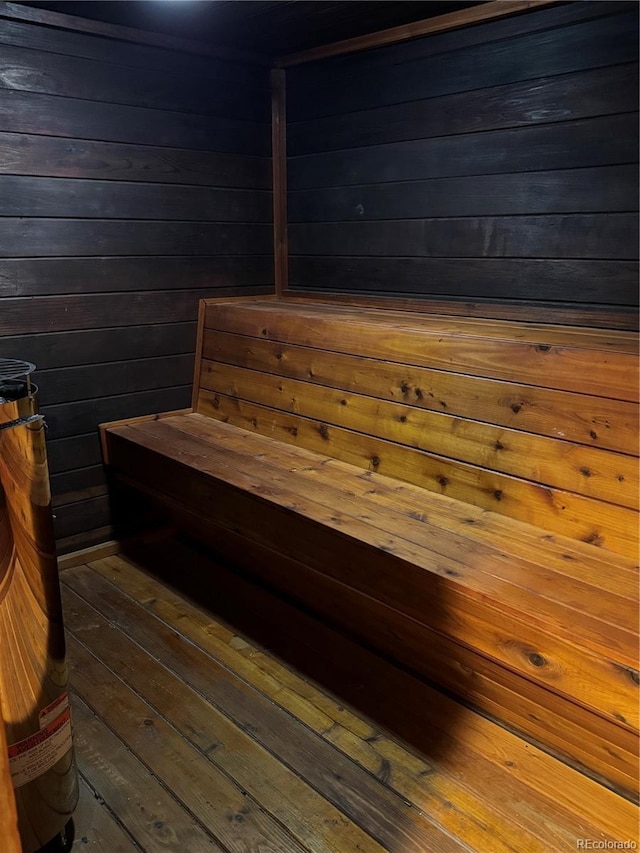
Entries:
{"x":15,"y":11}
{"x":376,"y":810}
{"x":51,"y":276}
{"x":440,"y":23}
{"x":88,"y":237}
{"x":53,"y":156}
{"x":95,"y":825}
{"x":129,"y":173}
{"x":8,"y":814}
{"x":554,"y":463}
{"x":532,"y":354}
{"x":414,"y":166}
{"x":577,"y":291}
{"x":57,"y":74}
{"x":258,"y":533}
{"x":571,"y":96}
{"x":523,"y":407}
{"x":460,"y":770}
{"x":555,"y":313}
{"x":79,"y":199}
{"x":582,"y":190}
{"x":32,"y":664}
{"x":36,"y":113}
{"x":561,"y":145}
{"x":548,"y":51}
{"x":274,"y":787}
{"x":101,"y":46}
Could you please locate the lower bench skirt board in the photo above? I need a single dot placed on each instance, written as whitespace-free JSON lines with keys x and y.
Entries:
{"x":510,"y":667}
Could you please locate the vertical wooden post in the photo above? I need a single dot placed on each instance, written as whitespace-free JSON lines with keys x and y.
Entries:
{"x":279,"y":156}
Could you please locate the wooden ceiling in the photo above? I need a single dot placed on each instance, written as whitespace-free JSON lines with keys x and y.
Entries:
{"x":270,"y":27}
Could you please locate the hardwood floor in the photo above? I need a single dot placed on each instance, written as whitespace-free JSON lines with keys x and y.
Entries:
{"x":210,"y":715}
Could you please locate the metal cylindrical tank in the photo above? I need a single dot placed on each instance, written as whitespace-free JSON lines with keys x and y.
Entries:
{"x":33,"y":672}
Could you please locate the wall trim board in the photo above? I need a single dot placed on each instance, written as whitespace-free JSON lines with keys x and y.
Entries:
{"x":33,"y":15}
{"x":427,"y":26}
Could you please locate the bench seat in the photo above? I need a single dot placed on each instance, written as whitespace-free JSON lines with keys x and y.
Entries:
{"x":534,"y":628}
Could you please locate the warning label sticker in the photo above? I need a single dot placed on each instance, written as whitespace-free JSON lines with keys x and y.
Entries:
{"x":52,"y":711}
{"x":33,"y":756}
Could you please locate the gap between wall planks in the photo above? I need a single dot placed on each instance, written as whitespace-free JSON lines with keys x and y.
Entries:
{"x":17,"y":12}
{"x":427,"y":26}
{"x":279,"y":164}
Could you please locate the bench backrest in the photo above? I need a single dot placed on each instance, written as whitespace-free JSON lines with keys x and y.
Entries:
{"x":538,"y":423}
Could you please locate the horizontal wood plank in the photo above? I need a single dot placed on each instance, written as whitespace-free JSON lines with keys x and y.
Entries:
{"x":559,"y":285}
{"x":71,"y":349}
{"x":69,"y":419}
{"x":557,"y":50}
{"x":15,"y":11}
{"x":594,"y":421}
{"x":81,"y":199}
{"x":585,"y":315}
{"x":72,"y":486}
{"x":51,"y":276}
{"x":502,"y":694}
{"x":409,"y":50}
{"x":605,"y":188}
{"x":582,"y":94}
{"x":597,"y":236}
{"x":554,"y":462}
{"x":72,"y":384}
{"x":60,"y":237}
{"x":89,"y":513}
{"x":25,"y":315}
{"x":528,"y":354}
{"x":556,"y":511}
{"x":137,"y":55}
{"x":75,"y":452}
{"x":51,"y":156}
{"x":37,"y":113}
{"x":601,"y":141}
{"x":69,"y":76}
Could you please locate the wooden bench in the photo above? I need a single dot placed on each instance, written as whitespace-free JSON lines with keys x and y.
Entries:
{"x":460,"y":494}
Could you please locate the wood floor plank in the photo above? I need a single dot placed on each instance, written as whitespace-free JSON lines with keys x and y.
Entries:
{"x":317,"y":825}
{"x":234,"y":823}
{"x":476,"y":750}
{"x":382,"y":814}
{"x":96,"y":830}
{"x":151,"y":815}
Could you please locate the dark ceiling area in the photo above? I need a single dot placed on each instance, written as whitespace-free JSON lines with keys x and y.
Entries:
{"x":270,"y":27}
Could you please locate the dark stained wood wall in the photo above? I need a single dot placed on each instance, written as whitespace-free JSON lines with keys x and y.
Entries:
{"x":492,"y":163}
{"x":133,"y":181}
